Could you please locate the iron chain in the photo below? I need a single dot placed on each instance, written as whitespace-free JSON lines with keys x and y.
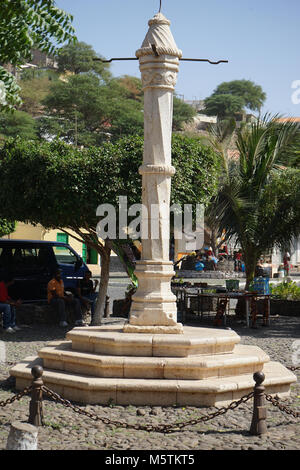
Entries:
{"x":163,"y":428}
{"x":293,"y":368}
{"x":286,"y":409}
{"x":16,"y":397}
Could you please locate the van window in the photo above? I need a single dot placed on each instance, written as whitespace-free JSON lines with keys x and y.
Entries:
{"x":64,"y":255}
{"x":20,"y":257}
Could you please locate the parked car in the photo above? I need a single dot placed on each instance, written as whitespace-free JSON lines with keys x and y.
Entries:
{"x":32,"y":263}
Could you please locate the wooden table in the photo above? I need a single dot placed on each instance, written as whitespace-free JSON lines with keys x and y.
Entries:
{"x":186,"y":293}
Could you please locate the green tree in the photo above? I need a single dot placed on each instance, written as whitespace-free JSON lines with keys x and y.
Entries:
{"x":6,"y":227}
{"x":133,"y":86}
{"x":221,"y":139}
{"x":258,"y":199}
{"x":78,"y":58}
{"x":223,"y":106}
{"x":233,"y":97}
{"x":85,"y":111}
{"x":78,"y":181}
{"x":182,"y":113}
{"x":25,"y":24}
{"x":252,"y":95}
{"x":16,"y":124}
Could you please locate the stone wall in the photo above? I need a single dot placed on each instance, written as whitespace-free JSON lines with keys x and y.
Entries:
{"x":209,"y":274}
{"x":29,"y":314}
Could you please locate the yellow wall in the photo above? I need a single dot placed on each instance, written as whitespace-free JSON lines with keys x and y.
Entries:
{"x":27,"y":232}
{"x":50,"y":235}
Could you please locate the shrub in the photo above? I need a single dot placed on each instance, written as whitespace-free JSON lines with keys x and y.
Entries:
{"x":286,"y":290}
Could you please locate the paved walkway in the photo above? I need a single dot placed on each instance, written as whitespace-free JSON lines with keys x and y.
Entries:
{"x":65,"y":430}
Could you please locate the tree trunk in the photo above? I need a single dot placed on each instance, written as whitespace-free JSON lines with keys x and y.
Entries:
{"x":127,"y":263}
{"x":100,"y":304}
{"x":213,"y":241}
{"x":251,"y":259}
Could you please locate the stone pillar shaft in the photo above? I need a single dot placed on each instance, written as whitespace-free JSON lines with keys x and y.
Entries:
{"x":154,"y":305}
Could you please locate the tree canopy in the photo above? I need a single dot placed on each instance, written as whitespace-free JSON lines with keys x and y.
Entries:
{"x":259,"y":199}
{"x":6,"y":227}
{"x":78,"y":58}
{"x":16,"y":124}
{"x":25,"y":24}
{"x":233,"y":97}
{"x":84,"y":110}
{"x":61,"y":186}
{"x":182,"y":113}
{"x":223,"y":106}
{"x":94,"y":175}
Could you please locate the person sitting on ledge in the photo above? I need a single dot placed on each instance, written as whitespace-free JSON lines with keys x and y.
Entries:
{"x":8,"y":306}
{"x":58,"y":299}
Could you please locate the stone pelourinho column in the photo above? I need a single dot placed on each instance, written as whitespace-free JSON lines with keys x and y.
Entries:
{"x":154,"y":305}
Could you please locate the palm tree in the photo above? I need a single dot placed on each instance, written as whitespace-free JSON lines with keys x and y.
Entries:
{"x":258,"y":199}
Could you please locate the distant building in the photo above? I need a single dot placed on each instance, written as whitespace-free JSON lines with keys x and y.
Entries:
{"x":203,"y":122}
{"x":243,"y":118}
{"x":289,"y":119}
{"x":40,"y":60}
{"x":198,"y":105}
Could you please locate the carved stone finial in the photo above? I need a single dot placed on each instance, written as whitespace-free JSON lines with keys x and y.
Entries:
{"x":159,"y":35}
{"x":159,"y":18}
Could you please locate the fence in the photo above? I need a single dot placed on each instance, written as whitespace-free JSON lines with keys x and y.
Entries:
{"x":259,"y":415}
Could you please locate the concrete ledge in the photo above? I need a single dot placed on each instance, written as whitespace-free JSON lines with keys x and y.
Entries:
{"x":207,"y":392}
{"x":245,"y":359}
{"x":172,"y":329}
{"x":113,"y":341}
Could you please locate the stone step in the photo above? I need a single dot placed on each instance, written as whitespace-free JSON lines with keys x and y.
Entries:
{"x":111,"y":340}
{"x":244,"y":359}
{"x":141,"y":392}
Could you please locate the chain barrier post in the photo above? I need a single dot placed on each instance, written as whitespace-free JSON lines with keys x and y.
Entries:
{"x":259,"y":425}
{"x":106,"y":308}
{"x":36,"y":415}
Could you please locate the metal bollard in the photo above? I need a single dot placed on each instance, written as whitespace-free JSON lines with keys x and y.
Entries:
{"x":106,"y":308}
{"x":36,"y":415}
{"x":259,"y":425}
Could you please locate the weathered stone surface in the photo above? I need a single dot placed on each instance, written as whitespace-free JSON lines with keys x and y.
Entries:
{"x":154,"y":304}
{"x":22,"y":436}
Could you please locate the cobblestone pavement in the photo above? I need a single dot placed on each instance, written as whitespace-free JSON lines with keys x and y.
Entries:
{"x":65,"y":430}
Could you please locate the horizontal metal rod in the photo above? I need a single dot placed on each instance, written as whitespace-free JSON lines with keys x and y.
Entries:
{"x":187,"y":60}
{"x":115,"y":58}
{"x":206,"y":60}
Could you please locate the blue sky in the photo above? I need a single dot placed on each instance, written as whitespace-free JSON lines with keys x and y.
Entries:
{"x":260,"y":38}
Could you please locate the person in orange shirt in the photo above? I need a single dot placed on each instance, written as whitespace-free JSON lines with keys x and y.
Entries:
{"x":58,"y":299}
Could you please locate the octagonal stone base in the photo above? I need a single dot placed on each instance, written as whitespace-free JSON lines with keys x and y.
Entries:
{"x":163,"y":330}
{"x":201,"y":367}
